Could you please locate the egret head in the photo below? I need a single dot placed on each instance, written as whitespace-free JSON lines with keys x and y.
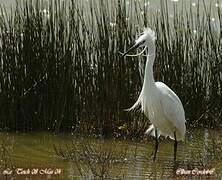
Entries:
{"x":146,"y":39}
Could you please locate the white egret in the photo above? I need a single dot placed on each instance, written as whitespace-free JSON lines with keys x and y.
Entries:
{"x":158,"y":102}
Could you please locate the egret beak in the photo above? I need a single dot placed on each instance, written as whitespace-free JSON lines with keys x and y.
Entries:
{"x":138,"y":44}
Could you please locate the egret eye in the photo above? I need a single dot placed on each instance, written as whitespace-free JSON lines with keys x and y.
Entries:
{"x":142,"y":43}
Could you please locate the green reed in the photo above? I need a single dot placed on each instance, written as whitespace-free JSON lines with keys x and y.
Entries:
{"x":61,"y":70}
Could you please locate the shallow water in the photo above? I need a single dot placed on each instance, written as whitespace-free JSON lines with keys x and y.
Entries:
{"x":119,"y":159}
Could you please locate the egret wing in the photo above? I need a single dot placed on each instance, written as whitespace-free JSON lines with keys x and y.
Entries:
{"x":172,"y":107}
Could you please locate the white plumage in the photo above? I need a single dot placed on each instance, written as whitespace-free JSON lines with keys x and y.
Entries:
{"x":158,"y":102}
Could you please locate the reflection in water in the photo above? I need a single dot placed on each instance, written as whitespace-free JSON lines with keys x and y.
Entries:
{"x":205,"y":148}
{"x":86,"y":157}
{"x":138,"y":165}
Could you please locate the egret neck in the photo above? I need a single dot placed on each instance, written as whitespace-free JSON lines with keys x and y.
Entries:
{"x":148,"y":77}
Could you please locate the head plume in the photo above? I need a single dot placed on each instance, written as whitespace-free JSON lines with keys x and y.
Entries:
{"x":146,"y":40}
{"x":150,"y":33}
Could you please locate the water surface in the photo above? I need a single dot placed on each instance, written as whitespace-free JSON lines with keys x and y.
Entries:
{"x":116,"y":159}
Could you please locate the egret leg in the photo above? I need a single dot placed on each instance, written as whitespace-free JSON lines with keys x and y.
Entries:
{"x":156,"y":145}
{"x":175,"y":146}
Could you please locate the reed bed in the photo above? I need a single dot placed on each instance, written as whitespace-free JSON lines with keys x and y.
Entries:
{"x":61,"y":70}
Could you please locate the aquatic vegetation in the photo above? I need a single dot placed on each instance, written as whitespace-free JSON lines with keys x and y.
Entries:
{"x":6,"y":162}
{"x":92,"y":160}
{"x":60,"y":68}
{"x":215,"y":148}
